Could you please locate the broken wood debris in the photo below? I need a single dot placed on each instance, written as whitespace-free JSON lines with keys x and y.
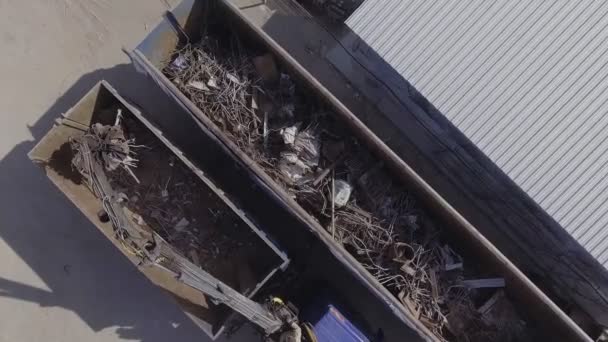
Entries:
{"x":342,"y":191}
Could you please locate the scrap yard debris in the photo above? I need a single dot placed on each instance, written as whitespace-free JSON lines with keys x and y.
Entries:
{"x":104,"y":149}
{"x":340,"y":183}
{"x":146,"y":191}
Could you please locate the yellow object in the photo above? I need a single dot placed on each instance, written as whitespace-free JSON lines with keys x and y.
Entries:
{"x":277,"y":300}
{"x":308,"y":333}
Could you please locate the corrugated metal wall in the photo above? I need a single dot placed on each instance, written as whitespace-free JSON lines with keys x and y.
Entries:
{"x":526,"y":81}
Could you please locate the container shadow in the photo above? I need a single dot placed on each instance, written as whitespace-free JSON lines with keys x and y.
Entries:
{"x":82,"y":270}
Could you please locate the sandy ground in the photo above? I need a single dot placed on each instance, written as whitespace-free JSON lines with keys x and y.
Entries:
{"x":60,"y":280}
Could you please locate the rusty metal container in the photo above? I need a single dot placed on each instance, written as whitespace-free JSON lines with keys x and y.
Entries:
{"x":54,"y":155}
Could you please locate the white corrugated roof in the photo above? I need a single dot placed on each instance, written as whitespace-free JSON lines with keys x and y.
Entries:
{"x":526,"y":81}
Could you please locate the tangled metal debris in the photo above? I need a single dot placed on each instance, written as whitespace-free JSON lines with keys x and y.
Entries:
{"x":222,"y":85}
{"x":342,"y":185}
{"x":118,"y":150}
{"x":99,"y":155}
{"x":102,"y":149}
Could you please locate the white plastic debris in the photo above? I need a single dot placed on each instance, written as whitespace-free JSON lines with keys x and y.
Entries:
{"x":406,"y":268}
{"x":198,"y":85}
{"x":164,"y":193}
{"x":181,"y":225}
{"x":254,"y":99}
{"x":212,"y":82}
{"x":180,"y":63}
{"x":292,"y":167}
{"x":342,"y":191}
{"x":122,"y":197}
{"x":308,"y":147}
{"x":291,"y":157}
{"x":302,"y":154}
{"x":289,"y":134}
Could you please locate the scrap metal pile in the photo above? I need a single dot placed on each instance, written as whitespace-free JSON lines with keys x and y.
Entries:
{"x":297,"y":141}
{"x":151,"y":224}
{"x":153,"y":194}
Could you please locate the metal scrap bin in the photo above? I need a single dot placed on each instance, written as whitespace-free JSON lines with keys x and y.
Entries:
{"x":54,"y":155}
{"x":184,"y":23}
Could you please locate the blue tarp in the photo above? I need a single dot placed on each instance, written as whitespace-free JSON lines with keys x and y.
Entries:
{"x":331,"y":325}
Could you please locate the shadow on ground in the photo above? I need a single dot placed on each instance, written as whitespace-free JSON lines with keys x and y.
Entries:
{"x":83,"y":270}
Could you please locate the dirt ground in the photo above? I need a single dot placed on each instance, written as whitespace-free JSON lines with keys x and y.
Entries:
{"x":59,"y":279}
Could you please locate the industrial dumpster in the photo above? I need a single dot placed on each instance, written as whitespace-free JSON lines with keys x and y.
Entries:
{"x":246,"y":274}
{"x":185,"y":24}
